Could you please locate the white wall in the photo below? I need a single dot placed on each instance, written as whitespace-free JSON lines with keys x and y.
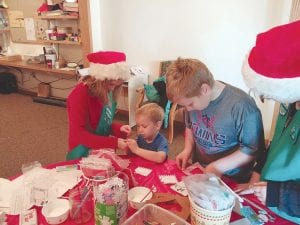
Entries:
{"x":219,"y":33}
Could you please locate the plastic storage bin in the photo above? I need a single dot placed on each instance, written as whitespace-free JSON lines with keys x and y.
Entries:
{"x":153,"y":213}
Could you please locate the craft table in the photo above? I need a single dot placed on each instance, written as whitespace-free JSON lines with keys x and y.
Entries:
{"x":167,"y":168}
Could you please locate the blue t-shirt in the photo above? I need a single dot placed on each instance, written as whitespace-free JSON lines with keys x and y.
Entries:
{"x":231,"y":121}
{"x":159,"y":143}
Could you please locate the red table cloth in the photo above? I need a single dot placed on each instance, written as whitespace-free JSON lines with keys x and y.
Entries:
{"x":167,"y":168}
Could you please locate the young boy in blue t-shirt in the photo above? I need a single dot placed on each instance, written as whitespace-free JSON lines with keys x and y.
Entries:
{"x":150,"y":144}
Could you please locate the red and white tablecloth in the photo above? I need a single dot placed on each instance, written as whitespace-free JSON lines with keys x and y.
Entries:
{"x":167,"y":168}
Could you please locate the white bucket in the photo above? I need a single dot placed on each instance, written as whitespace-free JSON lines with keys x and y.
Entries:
{"x":201,"y":216}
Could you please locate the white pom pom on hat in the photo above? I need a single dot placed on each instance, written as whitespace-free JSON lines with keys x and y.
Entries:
{"x":272,"y":68}
{"x":108,"y":65}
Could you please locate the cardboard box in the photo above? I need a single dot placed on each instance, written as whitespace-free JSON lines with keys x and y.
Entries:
{"x":43,"y":90}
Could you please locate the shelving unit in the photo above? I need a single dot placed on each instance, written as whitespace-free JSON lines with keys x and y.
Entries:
{"x":65,"y":42}
{"x":76,"y":49}
{"x":60,"y":17}
{"x":71,"y":51}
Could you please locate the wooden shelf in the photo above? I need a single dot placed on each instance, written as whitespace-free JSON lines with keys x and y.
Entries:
{"x":62,"y":42}
{"x":41,"y":42}
{"x":59,"y":17}
{"x":36,"y":67}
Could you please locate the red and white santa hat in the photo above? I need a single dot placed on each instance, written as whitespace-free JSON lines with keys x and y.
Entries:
{"x":108,"y":65}
{"x":272,"y":68}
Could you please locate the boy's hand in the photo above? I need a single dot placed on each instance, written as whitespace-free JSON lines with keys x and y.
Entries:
{"x":132,"y":145}
{"x":182,"y":159}
{"x":122,"y":144}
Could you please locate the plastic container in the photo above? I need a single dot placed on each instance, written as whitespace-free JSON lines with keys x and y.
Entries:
{"x":111,"y":198}
{"x":153,"y":213}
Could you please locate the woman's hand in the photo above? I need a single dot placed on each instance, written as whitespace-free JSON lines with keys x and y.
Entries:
{"x":244,"y":189}
{"x":247,"y":188}
{"x":126,"y":129}
{"x":260,"y":191}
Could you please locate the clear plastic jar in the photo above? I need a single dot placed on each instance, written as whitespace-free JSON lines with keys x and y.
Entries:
{"x":111,"y":197}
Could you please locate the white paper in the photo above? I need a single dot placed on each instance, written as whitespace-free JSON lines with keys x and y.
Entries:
{"x":143,"y":171}
{"x":45,"y":184}
{"x":168,"y":179}
{"x":30,"y":29}
{"x":5,"y":192}
{"x":180,"y":188}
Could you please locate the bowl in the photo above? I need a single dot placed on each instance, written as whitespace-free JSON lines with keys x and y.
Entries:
{"x":56,"y":211}
{"x":138,"y":196}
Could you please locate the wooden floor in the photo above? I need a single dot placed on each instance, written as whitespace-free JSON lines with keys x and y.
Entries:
{"x":31,"y":131}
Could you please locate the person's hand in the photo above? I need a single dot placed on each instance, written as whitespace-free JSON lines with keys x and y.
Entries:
{"x":132,"y":145}
{"x":126,"y":129}
{"x":122,"y":144}
{"x":260,"y":191}
{"x":247,"y":188}
{"x":182,"y":159}
{"x":244,"y":189}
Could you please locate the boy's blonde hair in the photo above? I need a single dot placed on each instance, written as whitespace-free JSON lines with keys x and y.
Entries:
{"x":185,"y":77}
{"x":152,"y":111}
{"x":99,"y":88}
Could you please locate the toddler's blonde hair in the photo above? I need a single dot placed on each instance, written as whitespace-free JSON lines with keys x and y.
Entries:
{"x":152,"y":111}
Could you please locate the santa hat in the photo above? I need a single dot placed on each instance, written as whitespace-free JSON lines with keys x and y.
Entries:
{"x":107,"y":65}
{"x":272,"y":68}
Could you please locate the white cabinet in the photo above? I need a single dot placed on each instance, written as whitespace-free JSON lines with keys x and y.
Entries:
{"x":127,"y":101}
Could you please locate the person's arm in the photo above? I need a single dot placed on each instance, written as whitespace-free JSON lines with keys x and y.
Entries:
{"x":234,"y":160}
{"x":249,"y":128}
{"x":183,"y":157}
{"x":120,"y":130}
{"x":154,"y":156}
{"x":80,"y":131}
{"x":246,"y":188}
